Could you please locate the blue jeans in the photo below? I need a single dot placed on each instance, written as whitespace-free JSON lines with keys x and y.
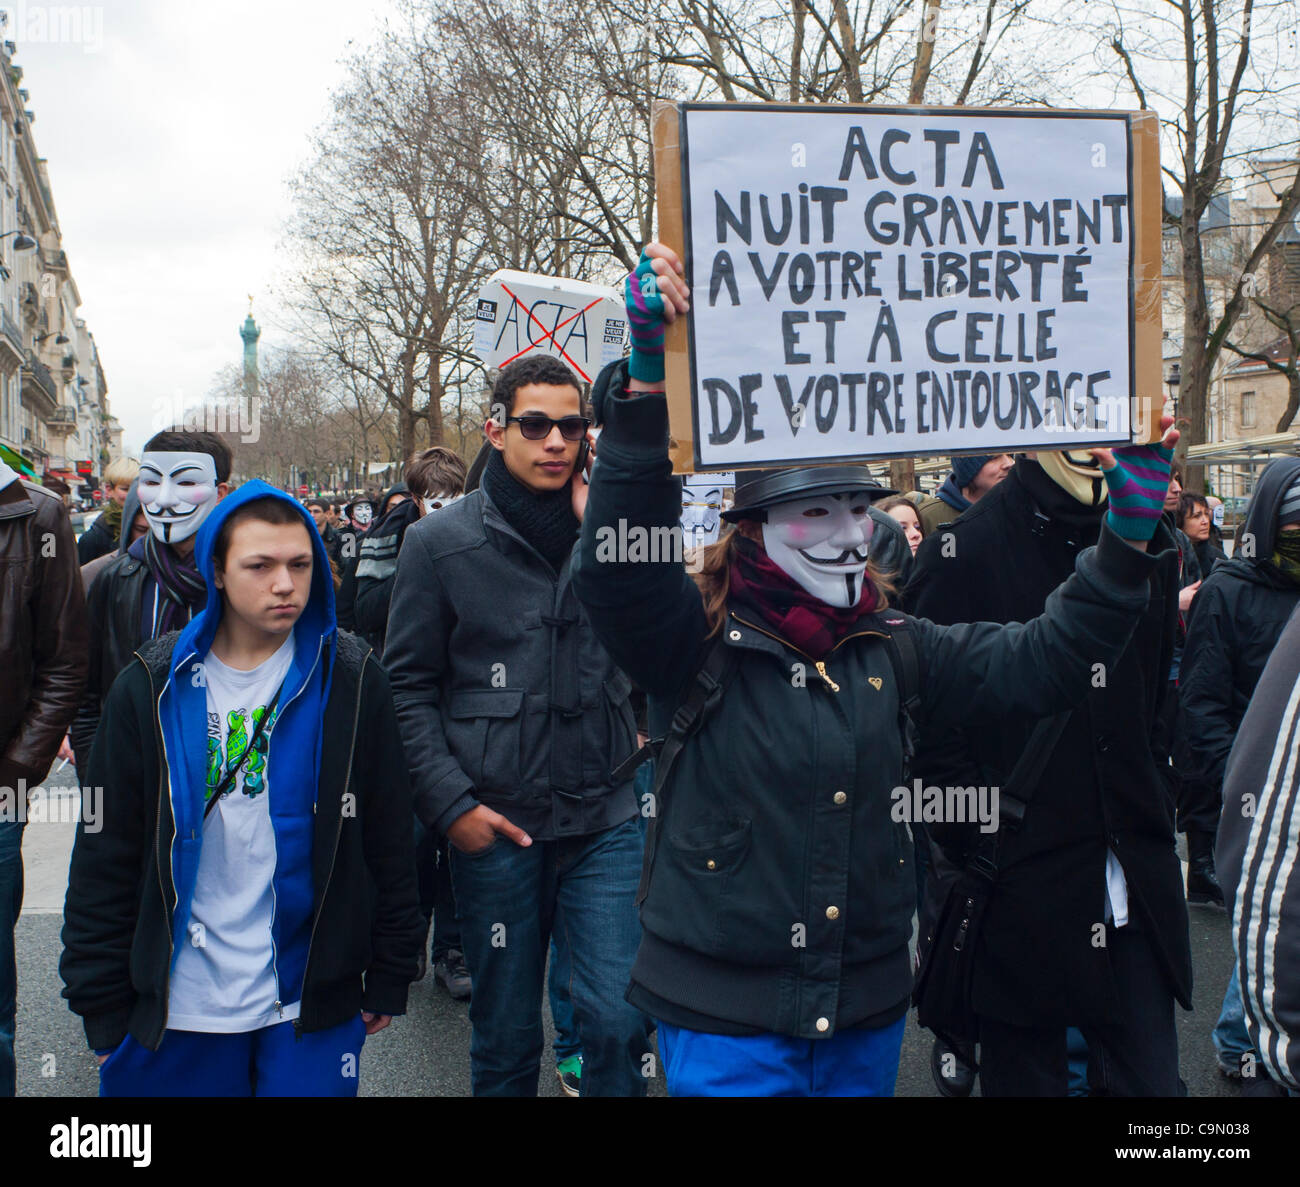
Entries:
{"x":557,"y":988}
{"x":11,"y":902}
{"x":1231,"y":1039}
{"x":508,"y":898}
{"x":272,"y":1061}
{"x":850,"y":1063}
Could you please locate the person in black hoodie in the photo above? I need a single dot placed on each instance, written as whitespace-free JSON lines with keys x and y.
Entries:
{"x":1086,"y":926}
{"x":1239,"y":614}
{"x":1236,"y":619}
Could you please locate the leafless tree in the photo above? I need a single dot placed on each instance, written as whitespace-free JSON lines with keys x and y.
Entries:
{"x":1218,"y":72}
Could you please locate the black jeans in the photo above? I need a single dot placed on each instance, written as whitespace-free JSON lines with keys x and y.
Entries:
{"x":437,"y":898}
{"x":1135,"y":1056}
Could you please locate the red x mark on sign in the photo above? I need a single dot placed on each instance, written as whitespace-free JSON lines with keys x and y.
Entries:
{"x":549,"y":334}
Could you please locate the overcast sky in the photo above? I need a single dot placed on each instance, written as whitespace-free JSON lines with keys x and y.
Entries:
{"x":170,"y":129}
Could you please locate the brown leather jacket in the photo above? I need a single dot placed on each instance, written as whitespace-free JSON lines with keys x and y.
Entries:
{"x":43,"y":638}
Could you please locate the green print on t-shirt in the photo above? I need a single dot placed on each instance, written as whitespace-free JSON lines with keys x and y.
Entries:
{"x":239,"y":730}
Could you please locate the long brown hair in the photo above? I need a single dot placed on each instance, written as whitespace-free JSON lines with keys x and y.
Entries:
{"x":711,"y":568}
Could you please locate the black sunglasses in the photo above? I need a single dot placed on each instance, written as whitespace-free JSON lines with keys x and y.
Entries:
{"x":538,"y":428}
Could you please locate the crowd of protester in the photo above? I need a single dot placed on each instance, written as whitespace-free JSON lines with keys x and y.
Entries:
{"x":448,"y":728}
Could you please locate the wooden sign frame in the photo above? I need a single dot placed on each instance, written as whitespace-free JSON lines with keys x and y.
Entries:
{"x":1146,"y":369}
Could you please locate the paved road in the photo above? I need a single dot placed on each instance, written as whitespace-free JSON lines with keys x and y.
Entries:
{"x":426,"y":1053}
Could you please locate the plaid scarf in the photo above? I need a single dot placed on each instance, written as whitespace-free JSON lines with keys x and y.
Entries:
{"x":179,"y":581}
{"x":761,"y":587}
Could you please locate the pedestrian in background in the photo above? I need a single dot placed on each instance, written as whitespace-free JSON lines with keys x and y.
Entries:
{"x":104,"y":534}
{"x":155,"y":586}
{"x":43,"y":641}
{"x":971,"y":478}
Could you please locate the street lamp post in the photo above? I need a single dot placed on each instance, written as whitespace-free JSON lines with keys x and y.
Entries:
{"x":1173,"y":382}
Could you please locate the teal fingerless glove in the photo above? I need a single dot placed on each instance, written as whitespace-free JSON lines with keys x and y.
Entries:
{"x":645,"y":316}
{"x":1138,"y":484}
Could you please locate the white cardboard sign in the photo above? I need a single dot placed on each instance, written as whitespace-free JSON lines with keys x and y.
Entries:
{"x":873,"y":283}
{"x":583,"y":325}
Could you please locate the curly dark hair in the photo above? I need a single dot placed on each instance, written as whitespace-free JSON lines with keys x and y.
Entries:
{"x":535,"y":368}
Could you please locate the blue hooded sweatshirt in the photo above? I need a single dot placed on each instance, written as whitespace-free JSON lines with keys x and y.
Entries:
{"x":294,"y":746}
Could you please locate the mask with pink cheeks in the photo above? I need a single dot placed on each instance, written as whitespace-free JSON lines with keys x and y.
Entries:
{"x":821,"y":542}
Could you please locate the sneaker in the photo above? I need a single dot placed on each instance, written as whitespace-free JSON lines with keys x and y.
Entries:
{"x":450,"y":971}
{"x":569,"y":1072}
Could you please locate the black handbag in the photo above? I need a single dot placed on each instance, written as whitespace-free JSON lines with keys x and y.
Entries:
{"x":942,"y":990}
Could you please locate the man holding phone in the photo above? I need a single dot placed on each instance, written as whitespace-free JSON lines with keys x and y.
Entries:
{"x":513,"y":717}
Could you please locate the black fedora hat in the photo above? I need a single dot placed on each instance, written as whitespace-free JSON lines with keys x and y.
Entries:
{"x":759,"y":489}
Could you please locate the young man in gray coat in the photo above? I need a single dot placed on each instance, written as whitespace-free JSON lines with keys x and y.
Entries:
{"x":513,"y":717}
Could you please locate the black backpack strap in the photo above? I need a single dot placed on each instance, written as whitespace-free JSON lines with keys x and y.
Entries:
{"x":901,"y":646}
{"x":709,"y":684}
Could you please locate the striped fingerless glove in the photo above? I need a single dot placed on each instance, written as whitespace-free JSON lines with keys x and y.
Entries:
{"x":645,"y":315}
{"x":1137,"y":484}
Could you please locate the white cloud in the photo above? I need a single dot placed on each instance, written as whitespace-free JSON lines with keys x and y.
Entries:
{"x":169,"y":144}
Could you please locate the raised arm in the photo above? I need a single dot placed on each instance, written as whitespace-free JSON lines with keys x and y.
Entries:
{"x":647,"y":611}
{"x":983,"y":670}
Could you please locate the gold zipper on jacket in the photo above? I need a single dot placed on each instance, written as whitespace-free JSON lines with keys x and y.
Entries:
{"x":820,"y":665}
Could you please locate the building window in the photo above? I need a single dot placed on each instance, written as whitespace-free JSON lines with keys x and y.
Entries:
{"x":1247,"y":410}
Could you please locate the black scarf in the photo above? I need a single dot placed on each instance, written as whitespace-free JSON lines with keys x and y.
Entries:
{"x":545,"y":520}
{"x":179,"y":581}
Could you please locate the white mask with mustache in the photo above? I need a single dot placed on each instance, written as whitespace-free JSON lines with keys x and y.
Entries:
{"x":438,"y":501}
{"x":177,"y":492}
{"x":821,"y":542}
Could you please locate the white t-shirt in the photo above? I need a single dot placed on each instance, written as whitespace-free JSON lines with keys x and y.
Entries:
{"x":224,"y":979}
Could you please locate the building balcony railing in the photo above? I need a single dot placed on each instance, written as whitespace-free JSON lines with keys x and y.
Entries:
{"x":62,"y":420}
{"x":38,"y":384}
{"x":12,"y":336}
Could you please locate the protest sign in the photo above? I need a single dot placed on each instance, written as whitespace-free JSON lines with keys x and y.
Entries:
{"x":878,"y":282}
{"x":583,"y":325}
{"x":704,"y":499}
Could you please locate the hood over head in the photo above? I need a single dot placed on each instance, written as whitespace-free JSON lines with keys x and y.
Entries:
{"x":398,"y":488}
{"x":130,"y":509}
{"x":316,"y":623}
{"x":1261,"y":525}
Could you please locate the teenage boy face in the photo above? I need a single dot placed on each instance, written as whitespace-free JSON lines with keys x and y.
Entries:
{"x":266,"y":579}
{"x":118,"y":493}
{"x":318,"y":516}
{"x":544,"y":465}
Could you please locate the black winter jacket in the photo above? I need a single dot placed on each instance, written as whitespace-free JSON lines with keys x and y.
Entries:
{"x":1106,"y":783}
{"x":96,"y":541}
{"x":1237,"y":616}
{"x":781,"y":893}
{"x":114,"y":607}
{"x":504,"y":694}
{"x":366,"y":932}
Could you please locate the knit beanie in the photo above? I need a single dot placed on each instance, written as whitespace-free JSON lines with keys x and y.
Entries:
{"x":964,"y":469}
